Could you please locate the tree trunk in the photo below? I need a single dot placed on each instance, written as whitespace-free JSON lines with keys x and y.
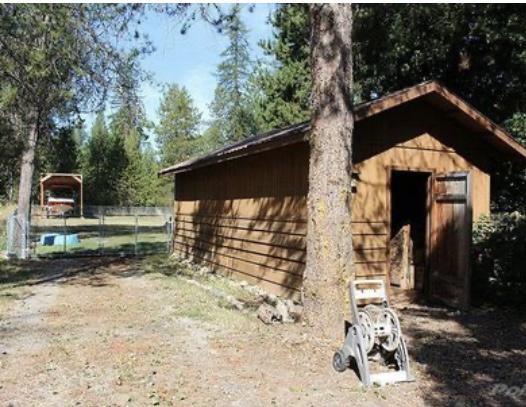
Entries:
{"x":329,"y":243}
{"x":26,"y":182}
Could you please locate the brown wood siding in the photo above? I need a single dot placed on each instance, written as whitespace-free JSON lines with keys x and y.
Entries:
{"x":248,"y":216}
{"x":417,"y":137}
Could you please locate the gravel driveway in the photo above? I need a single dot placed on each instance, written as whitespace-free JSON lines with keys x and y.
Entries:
{"x":106,"y":332}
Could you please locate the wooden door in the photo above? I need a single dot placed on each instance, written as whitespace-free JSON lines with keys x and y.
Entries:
{"x":401,"y":270}
{"x":450,"y":238}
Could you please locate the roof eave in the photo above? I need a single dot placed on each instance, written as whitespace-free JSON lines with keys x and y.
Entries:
{"x":299,"y":132}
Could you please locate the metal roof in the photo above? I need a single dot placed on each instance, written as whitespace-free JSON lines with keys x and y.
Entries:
{"x":433,"y":92}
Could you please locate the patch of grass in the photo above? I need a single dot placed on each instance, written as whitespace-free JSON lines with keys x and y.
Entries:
{"x":113,"y":234}
{"x":230,"y":287}
{"x":143,"y":221}
{"x":197,"y":302}
{"x":146,"y":242}
{"x":171,"y":266}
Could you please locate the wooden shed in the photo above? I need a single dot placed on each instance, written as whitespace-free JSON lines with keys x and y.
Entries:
{"x":60,"y":192}
{"x":422,"y":159}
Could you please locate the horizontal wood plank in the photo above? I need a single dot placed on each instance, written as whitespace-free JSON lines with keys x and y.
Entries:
{"x":298,"y":228}
{"x":263,"y":249}
{"x":267,"y":261}
{"x":289,"y":242}
{"x":247,"y":269}
{"x":369,"y":228}
{"x":269,"y":286}
{"x":370,"y":269}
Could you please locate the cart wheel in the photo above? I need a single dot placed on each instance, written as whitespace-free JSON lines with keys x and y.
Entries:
{"x":340,"y":363}
{"x":392,"y":325}
{"x":374,"y":312}
{"x":368,"y":330}
{"x":400,"y":356}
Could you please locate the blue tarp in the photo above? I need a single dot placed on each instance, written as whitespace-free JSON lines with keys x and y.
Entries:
{"x":48,"y":239}
{"x":55,"y":239}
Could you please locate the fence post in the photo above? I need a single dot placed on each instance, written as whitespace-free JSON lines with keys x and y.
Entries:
{"x":28,"y":236}
{"x":11,"y":236}
{"x":99,"y":240}
{"x":7,"y":236}
{"x":136,"y":233}
{"x":65,"y":233}
{"x":14,"y":237}
{"x":170,"y":232}
{"x":23,"y":239}
{"x":102,"y":231}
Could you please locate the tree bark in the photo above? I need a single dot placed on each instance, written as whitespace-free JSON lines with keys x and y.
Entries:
{"x":329,"y":240}
{"x":26,"y":182}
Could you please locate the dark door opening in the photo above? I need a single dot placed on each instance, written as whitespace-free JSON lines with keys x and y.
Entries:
{"x":408,"y":239}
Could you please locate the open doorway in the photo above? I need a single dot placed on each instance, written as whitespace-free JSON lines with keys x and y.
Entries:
{"x":408,"y":239}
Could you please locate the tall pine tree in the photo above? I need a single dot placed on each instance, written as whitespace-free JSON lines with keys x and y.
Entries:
{"x":177,"y":133}
{"x":129,"y":113}
{"x":138,"y":184}
{"x":476,"y":50}
{"x":232,"y":116}
{"x":285,"y":83}
{"x":55,"y":60}
{"x":103,"y":163}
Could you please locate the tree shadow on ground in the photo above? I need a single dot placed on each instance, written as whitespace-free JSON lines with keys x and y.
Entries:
{"x":459,"y":357}
{"x":90,"y":270}
{"x":143,"y":248}
{"x":467,"y":355}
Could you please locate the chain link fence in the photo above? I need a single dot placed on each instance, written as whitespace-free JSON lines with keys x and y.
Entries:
{"x":102,"y":231}
{"x":17,"y":237}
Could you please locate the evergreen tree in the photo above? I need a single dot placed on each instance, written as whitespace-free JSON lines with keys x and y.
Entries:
{"x":508,"y":185}
{"x":151,"y":193}
{"x":210,"y":140}
{"x":61,"y":151}
{"x":285,"y":83}
{"x":329,"y":267}
{"x":129,"y":117}
{"x":10,"y":152}
{"x":177,"y":133}
{"x":138,"y":182}
{"x":476,"y":50}
{"x":103,"y":163}
{"x":55,"y":60}
{"x":232,"y":116}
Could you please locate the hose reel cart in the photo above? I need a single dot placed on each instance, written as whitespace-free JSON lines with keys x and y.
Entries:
{"x":374,"y":332}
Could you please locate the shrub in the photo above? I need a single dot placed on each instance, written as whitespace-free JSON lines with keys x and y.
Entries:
{"x":499,"y":259}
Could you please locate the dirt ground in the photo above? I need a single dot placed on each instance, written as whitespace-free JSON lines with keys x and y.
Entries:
{"x":116,"y":332}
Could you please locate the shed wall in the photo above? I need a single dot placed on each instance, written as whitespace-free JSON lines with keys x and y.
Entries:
{"x":249,"y":217}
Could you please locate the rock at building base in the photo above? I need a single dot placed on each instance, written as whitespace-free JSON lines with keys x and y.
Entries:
{"x":295,"y":311}
{"x":268,"y":314}
{"x":283,"y":311}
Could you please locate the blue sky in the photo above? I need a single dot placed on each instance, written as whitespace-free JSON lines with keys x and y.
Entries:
{"x":191,"y":59}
